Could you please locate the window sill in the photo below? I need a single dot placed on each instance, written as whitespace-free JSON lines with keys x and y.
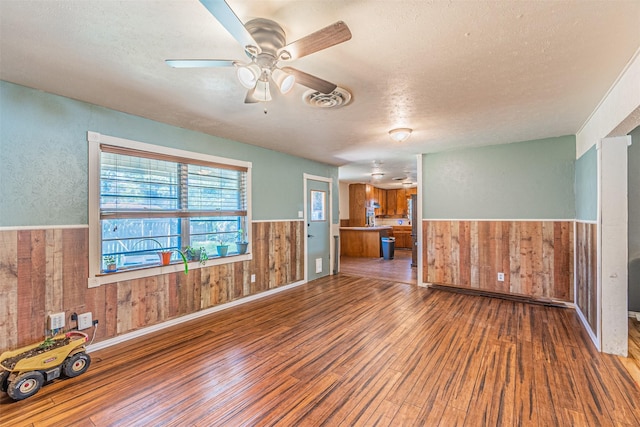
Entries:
{"x":137,"y":273}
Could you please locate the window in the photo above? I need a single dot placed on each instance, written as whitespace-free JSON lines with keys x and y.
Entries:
{"x":153,"y":198}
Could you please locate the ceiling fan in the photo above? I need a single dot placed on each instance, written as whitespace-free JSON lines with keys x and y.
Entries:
{"x":265,"y":44}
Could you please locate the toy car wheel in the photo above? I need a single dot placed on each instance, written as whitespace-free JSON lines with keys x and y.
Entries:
{"x":25,"y":385}
{"x":76,"y":364}
{"x":4,"y":380}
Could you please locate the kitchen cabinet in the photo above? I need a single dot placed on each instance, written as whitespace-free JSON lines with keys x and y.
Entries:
{"x":360,"y":197}
{"x":391,"y":202}
{"x":362,"y":241}
{"x":380,"y":197}
{"x":402,"y":235}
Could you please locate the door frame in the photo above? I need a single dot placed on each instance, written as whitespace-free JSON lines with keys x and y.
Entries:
{"x":307,"y":177}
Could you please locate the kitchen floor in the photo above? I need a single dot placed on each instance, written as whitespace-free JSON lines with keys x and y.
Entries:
{"x":397,"y":269}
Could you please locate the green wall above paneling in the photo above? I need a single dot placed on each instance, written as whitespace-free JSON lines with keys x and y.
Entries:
{"x":44,"y":170}
{"x":523,"y":180}
{"x":587,"y":186}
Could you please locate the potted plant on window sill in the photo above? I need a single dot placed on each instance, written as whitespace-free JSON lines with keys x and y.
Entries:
{"x":241,"y":243}
{"x":110,"y":263}
{"x":165,"y":254}
{"x":222,"y":248}
{"x":194,"y":254}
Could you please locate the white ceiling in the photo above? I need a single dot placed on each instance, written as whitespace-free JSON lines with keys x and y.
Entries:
{"x":460,"y":74}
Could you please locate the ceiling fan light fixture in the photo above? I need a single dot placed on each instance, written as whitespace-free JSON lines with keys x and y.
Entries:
{"x":283,"y":80}
{"x":248,"y":74}
{"x":400,"y":134}
{"x":262,"y":92}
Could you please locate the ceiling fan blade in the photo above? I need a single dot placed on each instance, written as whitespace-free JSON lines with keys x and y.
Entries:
{"x":199,"y":63}
{"x":328,"y":36}
{"x":310,"y":81}
{"x":225,"y":15}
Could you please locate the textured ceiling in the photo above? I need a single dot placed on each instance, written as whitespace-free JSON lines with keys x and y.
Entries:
{"x":460,"y":74}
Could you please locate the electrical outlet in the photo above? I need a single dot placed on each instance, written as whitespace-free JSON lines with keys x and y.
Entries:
{"x":253,"y":278}
{"x":318,"y":265}
{"x":500,"y":277}
{"x":85,"y":321}
{"x":56,"y":320}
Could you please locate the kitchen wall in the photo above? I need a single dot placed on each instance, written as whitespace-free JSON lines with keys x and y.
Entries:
{"x":44,"y":211}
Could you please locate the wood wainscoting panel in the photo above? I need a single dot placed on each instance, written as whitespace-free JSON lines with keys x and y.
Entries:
{"x":8,"y":289}
{"x":586,"y":271}
{"x":45,"y":271}
{"x":536,"y":257}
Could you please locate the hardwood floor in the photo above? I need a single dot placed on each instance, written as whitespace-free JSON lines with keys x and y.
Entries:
{"x":352,"y":351}
{"x":397,"y":269}
{"x":632,"y":363}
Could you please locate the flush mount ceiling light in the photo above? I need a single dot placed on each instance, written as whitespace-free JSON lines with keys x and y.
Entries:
{"x":400,"y":134}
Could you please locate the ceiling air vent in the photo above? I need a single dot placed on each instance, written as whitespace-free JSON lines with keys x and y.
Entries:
{"x":336,"y":99}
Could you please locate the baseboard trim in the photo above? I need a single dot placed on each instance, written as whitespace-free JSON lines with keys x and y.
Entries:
{"x":160,"y":326}
{"x":502,"y":295}
{"x":587,"y":328}
{"x":635,"y":315}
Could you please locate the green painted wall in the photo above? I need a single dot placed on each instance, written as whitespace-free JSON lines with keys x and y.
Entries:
{"x":587,"y":186}
{"x":43,"y":159}
{"x":634,"y":220}
{"x":523,"y":180}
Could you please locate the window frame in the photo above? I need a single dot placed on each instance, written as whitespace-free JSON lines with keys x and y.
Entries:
{"x":95,"y":140}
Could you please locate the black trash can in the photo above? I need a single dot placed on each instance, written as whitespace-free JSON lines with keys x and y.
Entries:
{"x":388,"y":247}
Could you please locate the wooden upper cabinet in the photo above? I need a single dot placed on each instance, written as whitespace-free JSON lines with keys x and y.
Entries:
{"x":401,"y":201}
{"x":391,"y":202}
{"x":357,"y":212}
{"x":361,"y":196}
{"x":380,"y":197}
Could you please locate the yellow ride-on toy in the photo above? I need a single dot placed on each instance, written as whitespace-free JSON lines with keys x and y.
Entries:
{"x":25,"y":370}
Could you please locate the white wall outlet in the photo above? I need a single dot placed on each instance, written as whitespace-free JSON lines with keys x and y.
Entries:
{"x":253,"y":278}
{"x":300,"y":214}
{"x":318,"y":265}
{"x":56,"y":320}
{"x":85,"y":321}
{"x":500,"y":277}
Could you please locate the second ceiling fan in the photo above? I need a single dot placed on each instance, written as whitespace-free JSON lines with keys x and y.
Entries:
{"x":265,"y":44}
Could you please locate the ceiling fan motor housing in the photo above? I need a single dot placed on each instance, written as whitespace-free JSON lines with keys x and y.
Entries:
{"x":270,"y":37}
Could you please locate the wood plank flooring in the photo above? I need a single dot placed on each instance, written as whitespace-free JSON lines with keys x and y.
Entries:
{"x":397,"y":269}
{"x":352,"y":351}
{"x":632,"y":363}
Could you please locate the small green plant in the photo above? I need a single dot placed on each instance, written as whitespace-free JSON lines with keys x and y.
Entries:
{"x":199,"y":254}
{"x":48,"y":342}
{"x":109,"y":259}
{"x":241,"y":238}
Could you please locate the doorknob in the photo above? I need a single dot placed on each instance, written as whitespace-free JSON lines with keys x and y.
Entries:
{"x":310,"y":235}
